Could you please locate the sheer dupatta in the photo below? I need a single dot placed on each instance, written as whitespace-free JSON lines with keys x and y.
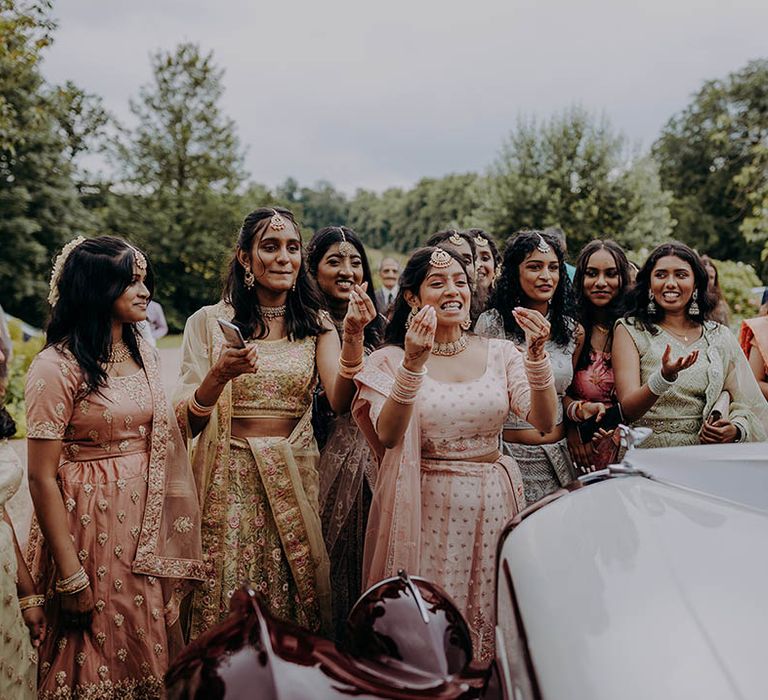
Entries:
{"x":392,"y":539}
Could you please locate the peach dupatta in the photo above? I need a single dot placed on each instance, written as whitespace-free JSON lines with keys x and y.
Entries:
{"x":393,"y":536}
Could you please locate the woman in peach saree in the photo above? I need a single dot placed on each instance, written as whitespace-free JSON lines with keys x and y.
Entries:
{"x":432,"y":403}
{"x":118,"y":523}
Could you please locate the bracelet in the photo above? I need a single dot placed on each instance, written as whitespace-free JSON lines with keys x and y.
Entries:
{"x":31,"y":601}
{"x":407,"y":385}
{"x":539,"y":372}
{"x":657,"y":384}
{"x":351,"y":363}
{"x":75,"y":583}
{"x":349,"y":371}
{"x":572,"y":411}
{"x":197,"y":409}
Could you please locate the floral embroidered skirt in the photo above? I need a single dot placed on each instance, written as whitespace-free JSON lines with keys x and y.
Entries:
{"x":18,"y":659}
{"x":464,"y":508}
{"x":242,"y":541}
{"x":124,"y":654}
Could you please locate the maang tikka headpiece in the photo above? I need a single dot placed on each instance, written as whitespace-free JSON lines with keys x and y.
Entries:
{"x":277,"y":222}
{"x":542,"y":245}
{"x":58,"y":266}
{"x":456,"y":238}
{"x":440,"y":258}
{"x":346,"y":249}
{"x":481,"y":241}
{"x":138,"y":256}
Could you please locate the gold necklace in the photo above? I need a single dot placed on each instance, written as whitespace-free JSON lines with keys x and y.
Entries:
{"x":452,"y":348}
{"x":119,"y":353}
{"x":683,"y":336}
{"x":272,"y":312}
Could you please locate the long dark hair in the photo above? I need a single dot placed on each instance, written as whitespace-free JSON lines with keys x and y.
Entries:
{"x":94,"y":275}
{"x":637,"y":309}
{"x":507,"y":294}
{"x":412,"y":276}
{"x":316,"y":249}
{"x":614,"y":309}
{"x":304,"y":303}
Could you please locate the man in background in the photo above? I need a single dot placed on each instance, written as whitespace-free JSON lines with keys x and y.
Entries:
{"x":389,"y":272}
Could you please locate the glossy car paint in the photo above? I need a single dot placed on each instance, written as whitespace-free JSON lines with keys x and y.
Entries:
{"x":649,"y":586}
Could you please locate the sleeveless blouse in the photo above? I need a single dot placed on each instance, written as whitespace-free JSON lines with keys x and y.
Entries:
{"x":284,"y":384}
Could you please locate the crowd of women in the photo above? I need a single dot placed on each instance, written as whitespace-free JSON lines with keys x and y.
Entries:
{"x":339,"y":442}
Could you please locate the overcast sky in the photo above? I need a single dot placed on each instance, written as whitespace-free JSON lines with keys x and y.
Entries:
{"x":379,"y":95}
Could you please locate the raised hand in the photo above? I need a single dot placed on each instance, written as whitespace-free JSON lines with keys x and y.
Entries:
{"x":233,"y":362}
{"x":671,"y":368}
{"x":536,"y":329}
{"x":419,"y":339}
{"x":360,"y":310}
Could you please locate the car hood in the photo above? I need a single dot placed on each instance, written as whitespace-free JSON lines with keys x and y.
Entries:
{"x":635,"y":588}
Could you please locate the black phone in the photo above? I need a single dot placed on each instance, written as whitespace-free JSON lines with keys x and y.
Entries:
{"x":232,"y":333}
{"x":612,"y":418}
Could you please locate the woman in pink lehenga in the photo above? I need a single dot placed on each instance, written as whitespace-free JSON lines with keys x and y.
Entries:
{"x":432,"y":403}
{"x":118,"y":518}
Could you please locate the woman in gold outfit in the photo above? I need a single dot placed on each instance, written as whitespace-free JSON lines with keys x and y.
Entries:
{"x":250,"y":409}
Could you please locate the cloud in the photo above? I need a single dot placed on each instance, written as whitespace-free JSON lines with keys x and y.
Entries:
{"x":380,"y":95}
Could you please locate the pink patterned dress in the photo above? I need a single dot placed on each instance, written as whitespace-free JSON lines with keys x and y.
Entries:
{"x":595,"y":383}
{"x":108,"y":491}
{"x":434,"y":513}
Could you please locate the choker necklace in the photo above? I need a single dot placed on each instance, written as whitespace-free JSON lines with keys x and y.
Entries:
{"x":452,"y":348}
{"x":272,"y":312}
{"x":119,"y":353}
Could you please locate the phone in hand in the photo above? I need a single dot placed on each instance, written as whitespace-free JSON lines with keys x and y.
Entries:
{"x":232,"y":334}
{"x":611,"y":420}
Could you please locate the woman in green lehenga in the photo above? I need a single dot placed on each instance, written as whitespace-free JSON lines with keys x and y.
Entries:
{"x":250,"y":409}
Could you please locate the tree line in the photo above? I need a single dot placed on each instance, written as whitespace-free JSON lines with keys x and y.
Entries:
{"x":178,"y":187}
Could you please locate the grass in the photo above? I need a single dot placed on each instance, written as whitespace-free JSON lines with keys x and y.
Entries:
{"x":170,"y":341}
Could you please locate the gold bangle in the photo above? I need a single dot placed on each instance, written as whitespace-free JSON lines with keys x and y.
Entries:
{"x":31,"y":601}
{"x":73,"y":584}
{"x":197,"y":409}
{"x":351,"y":363}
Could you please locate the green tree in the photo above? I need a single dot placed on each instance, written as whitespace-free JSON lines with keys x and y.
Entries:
{"x":39,"y":208}
{"x":183,"y":168}
{"x":714,"y":157}
{"x":575,"y":172}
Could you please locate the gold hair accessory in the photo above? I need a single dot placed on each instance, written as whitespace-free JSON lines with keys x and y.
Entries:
{"x":346,"y":249}
{"x":456,"y":238}
{"x":440,"y":258}
{"x":543,"y":246}
{"x":58,"y":266}
{"x":277,"y":222}
{"x":481,"y":241}
{"x":138,"y":256}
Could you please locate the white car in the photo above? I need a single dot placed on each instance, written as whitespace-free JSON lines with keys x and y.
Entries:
{"x":650,"y":582}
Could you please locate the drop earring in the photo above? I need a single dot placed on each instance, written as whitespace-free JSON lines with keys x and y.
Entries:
{"x":466,"y":324}
{"x":693,"y":309}
{"x":411,"y":316}
{"x":651,"y":303}
{"x":248,"y":279}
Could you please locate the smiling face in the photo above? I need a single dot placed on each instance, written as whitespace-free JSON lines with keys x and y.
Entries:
{"x":275,"y":258}
{"x":539,"y":275}
{"x":131,"y":305}
{"x":672,"y":283}
{"x":389,"y":272}
{"x":447,"y":290}
{"x":336,"y":273}
{"x":486,"y":267}
{"x":602,"y":279}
